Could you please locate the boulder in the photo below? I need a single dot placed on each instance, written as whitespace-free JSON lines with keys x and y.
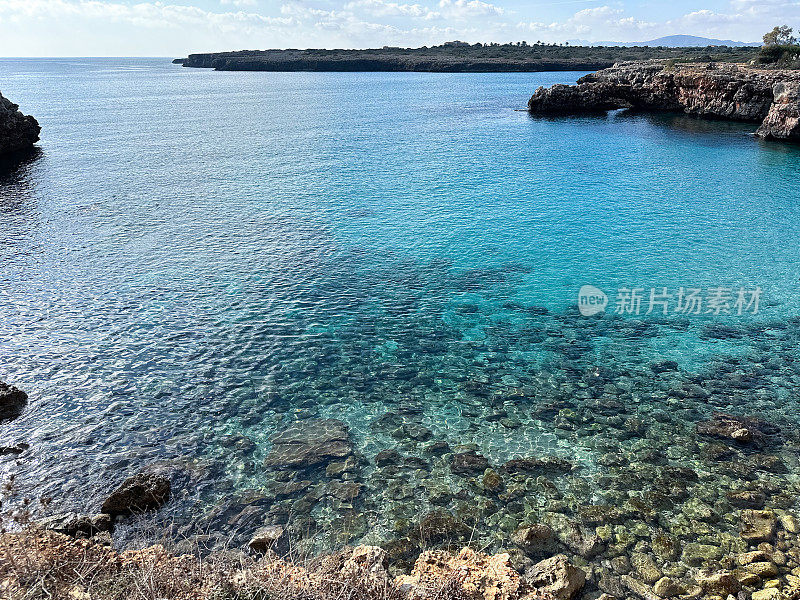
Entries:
{"x":535,"y":539}
{"x":18,"y":132}
{"x":474,"y":575}
{"x":270,"y":537}
{"x":749,"y":431}
{"x":556,"y":576}
{"x":139,"y":493}
{"x":308,"y":444}
{"x":548,"y":465}
{"x":667,"y":588}
{"x":757,"y":525}
{"x":12,"y":400}
{"x":468,"y":463}
{"x":720,"y":583}
{"x":76,"y":525}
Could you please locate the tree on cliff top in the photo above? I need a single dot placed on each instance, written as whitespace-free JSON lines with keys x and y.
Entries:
{"x":780,"y":36}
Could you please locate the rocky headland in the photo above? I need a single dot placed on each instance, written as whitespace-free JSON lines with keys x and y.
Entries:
{"x":453,"y":57}
{"x":770,"y":98}
{"x":18,"y":132}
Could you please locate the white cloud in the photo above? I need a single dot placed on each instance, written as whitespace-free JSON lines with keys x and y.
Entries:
{"x":240,"y":2}
{"x":382,"y":8}
{"x":469,"y":8}
{"x":134,"y":27}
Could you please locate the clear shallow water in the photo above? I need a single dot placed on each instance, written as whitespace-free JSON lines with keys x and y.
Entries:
{"x":195,"y":260}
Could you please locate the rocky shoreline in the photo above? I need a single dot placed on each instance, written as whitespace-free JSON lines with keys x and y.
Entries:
{"x":736,"y":534}
{"x":18,"y":132}
{"x":713,"y":90}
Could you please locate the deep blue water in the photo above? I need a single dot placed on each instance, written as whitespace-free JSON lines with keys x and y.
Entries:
{"x":194,"y":260}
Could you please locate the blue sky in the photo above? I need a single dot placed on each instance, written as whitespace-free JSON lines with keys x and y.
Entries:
{"x":178,"y":27}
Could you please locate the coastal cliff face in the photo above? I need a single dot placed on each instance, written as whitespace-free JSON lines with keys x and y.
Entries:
{"x":720,"y":91}
{"x":17,"y":131}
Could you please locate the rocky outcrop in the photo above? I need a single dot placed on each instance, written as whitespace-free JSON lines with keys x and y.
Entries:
{"x":12,"y":400}
{"x":144,"y":491}
{"x":17,"y":131}
{"x":720,"y":91}
{"x":783,"y":119}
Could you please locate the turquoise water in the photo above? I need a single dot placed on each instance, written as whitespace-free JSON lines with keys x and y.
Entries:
{"x":195,"y":260}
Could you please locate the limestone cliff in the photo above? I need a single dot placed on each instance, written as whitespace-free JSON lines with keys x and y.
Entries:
{"x":721,"y":91}
{"x":17,"y":131}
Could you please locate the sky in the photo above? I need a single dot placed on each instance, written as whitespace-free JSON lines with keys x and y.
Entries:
{"x":179,"y":27}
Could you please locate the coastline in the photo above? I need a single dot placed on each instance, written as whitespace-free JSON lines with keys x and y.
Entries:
{"x":715,"y":91}
{"x":452,"y":59}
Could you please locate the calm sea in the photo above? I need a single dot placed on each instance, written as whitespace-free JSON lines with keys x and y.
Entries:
{"x":195,"y":260}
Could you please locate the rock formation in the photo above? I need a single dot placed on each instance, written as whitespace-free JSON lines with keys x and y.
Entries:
{"x":720,"y":91}
{"x":309,"y":443}
{"x":141,"y":492}
{"x":17,"y":131}
{"x":12,"y":400}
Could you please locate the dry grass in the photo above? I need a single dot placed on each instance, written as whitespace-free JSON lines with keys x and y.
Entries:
{"x":38,"y":565}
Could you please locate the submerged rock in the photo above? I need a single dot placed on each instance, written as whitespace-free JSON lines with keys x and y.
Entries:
{"x":556,"y":576}
{"x":18,"y":132}
{"x":12,"y":400}
{"x":741,"y":430}
{"x":548,"y":465}
{"x":141,"y":492}
{"x":309,"y":443}
{"x":470,"y":462}
{"x":758,"y":525}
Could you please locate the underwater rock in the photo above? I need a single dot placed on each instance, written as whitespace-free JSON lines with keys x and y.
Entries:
{"x":388,"y":457}
{"x":746,"y":498}
{"x":309,"y":443}
{"x":571,"y":535}
{"x":492,"y":482}
{"x":289,"y":488}
{"x":12,"y":400}
{"x":144,"y":491}
{"x":742,"y":430}
{"x":720,"y":583}
{"x":556,"y":576}
{"x":468,"y":463}
{"x":757,"y":525}
{"x":535,"y":539}
{"x":546,"y":465}
{"x":645,"y":567}
{"x":697,"y":554}
{"x":439,"y":527}
{"x":667,"y":588}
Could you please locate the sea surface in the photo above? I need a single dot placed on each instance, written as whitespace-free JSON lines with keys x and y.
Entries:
{"x":194,"y":261}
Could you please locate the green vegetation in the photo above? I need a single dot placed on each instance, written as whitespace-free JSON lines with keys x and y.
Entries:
{"x":780,"y":49}
{"x":462,"y":57}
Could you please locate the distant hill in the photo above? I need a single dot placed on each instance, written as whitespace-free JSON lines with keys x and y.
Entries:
{"x":678,"y":41}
